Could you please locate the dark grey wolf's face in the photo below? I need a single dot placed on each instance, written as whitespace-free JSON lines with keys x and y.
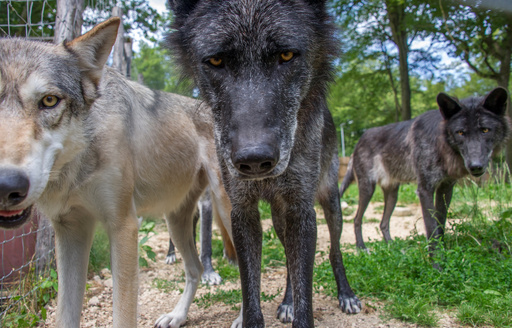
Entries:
{"x":255,"y":63}
{"x":476,"y":127}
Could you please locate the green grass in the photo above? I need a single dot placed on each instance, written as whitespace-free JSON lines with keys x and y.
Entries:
{"x":99,"y":257}
{"x":229,"y":297}
{"x":475,"y":257}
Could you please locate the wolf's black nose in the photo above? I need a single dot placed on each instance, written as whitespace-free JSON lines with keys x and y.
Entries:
{"x":476,"y":169}
{"x":14,"y":187}
{"x":255,"y":161}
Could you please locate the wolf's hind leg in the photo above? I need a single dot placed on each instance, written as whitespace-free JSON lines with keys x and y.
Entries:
{"x":390,"y":199}
{"x":209,"y":276}
{"x":366,"y":190}
{"x":181,"y":227}
{"x":285,"y":309}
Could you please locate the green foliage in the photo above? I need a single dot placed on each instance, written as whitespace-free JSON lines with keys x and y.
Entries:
{"x":155,"y":65}
{"x":32,"y":294}
{"x":137,"y":15}
{"x":99,"y":257}
{"x":478,"y":33}
{"x":145,"y":251}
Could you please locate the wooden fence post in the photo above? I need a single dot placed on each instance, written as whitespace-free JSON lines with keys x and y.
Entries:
{"x":68,"y":23}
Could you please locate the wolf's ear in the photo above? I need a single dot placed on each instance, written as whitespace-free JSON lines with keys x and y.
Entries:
{"x":496,"y":101}
{"x":447,"y":105}
{"x":182,"y":8}
{"x":94,"y":47}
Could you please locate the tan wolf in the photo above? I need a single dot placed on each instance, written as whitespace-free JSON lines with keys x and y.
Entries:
{"x":84,"y":144}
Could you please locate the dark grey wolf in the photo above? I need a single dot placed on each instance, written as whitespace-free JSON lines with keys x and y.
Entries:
{"x":263,"y":67}
{"x":85,"y":144}
{"x":433,"y":150}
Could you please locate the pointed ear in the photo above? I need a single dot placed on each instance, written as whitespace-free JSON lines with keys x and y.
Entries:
{"x":94,"y":47}
{"x":496,"y":101}
{"x":182,"y":8}
{"x":447,"y":105}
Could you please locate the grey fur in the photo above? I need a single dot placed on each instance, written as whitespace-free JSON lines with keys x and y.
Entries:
{"x":428,"y":150}
{"x":108,"y":150}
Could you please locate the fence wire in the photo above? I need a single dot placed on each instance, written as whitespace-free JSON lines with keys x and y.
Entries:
{"x":32,"y":19}
{"x":26,"y":282}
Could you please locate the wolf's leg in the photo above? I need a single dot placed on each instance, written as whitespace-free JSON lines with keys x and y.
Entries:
{"x":390,"y":198}
{"x":329,"y":198}
{"x":171,"y":254}
{"x":73,"y":240}
{"x":443,"y":199}
{"x":300,"y":244}
{"x":432,"y":226}
{"x":209,"y":275}
{"x":285,"y":309}
{"x":366,"y":190}
{"x":181,"y":226}
{"x":123,"y":235}
{"x":247,"y":236}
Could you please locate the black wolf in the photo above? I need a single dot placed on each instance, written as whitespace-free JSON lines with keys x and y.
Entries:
{"x":263,"y":67}
{"x":434,"y":150}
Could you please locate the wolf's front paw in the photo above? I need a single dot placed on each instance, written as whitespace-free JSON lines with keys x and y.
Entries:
{"x":238,"y":323}
{"x":170,"y":258}
{"x":285,"y":313}
{"x":211,"y":278}
{"x":170,"y":320}
{"x":350,"y":305}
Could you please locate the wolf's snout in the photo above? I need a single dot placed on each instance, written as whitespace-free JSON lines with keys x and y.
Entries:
{"x":476,"y":169}
{"x":14,"y":186}
{"x":255,"y":161}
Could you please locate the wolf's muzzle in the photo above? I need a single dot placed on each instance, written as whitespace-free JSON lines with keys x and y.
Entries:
{"x":14,"y":185}
{"x":476,"y":169}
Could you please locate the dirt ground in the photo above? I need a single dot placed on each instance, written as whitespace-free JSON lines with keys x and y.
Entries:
{"x":153,"y":302}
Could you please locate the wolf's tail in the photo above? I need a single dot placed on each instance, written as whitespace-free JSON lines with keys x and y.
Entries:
{"x":348,"y":178}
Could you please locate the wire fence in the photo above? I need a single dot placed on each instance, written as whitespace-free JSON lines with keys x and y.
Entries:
{"x":32,"y":19}
{"x":27,"y":279}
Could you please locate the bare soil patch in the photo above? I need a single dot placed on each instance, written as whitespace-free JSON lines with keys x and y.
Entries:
{"x":153,"y":302}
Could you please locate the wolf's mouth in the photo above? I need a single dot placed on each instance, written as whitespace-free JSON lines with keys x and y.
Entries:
{"x":477,"y":174}
{"x":14,"y":219}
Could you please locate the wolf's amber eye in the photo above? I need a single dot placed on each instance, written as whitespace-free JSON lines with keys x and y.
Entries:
{"x":485,"y":130}
{"x":286,"y":56}
{"x":49,"y":101}
{"x":460,"y":133}
{"x":215,"y":61}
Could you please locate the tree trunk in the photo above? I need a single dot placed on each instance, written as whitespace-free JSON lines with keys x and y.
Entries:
{"x":68,"y":23}
{"x":503,"y":81}
{"x":118,"y":57}
{"x":396,"y":15}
